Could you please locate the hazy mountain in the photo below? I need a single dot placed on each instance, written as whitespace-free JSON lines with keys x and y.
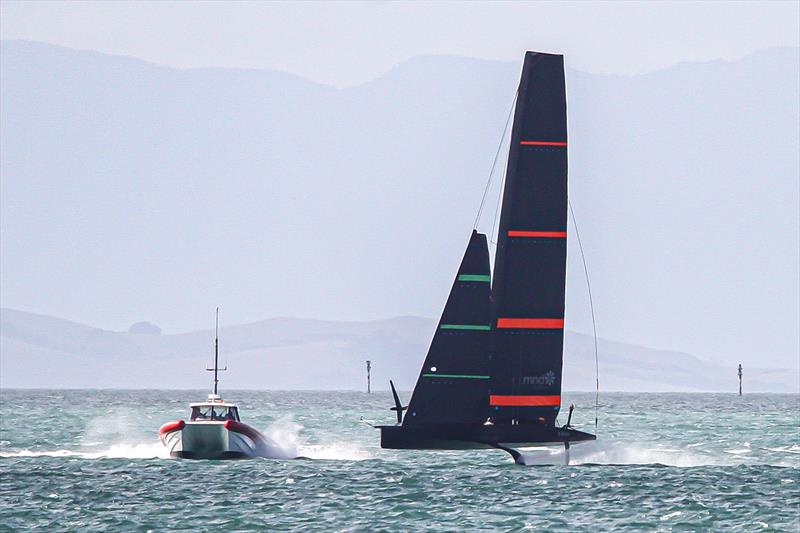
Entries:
{"x":290,"y":353}
{"x":131,"y":191}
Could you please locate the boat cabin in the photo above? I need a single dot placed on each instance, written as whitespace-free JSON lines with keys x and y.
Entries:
{"x":213,"y":411}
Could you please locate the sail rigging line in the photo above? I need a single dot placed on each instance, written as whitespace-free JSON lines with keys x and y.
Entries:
{"x":493,"y":235}
{"x":496,"y":219}
{"x":594,"y":323}
{"x":494,"y":163}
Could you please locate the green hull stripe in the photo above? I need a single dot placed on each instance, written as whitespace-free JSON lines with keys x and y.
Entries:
{"x":463,"y":376}
{"x":466,"y":326}
{"x":474,"y":277}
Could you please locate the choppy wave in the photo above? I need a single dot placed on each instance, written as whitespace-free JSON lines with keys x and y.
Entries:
{"x":334,"y":452}
{"x":793,"y":449}
{"x":91,"y":460}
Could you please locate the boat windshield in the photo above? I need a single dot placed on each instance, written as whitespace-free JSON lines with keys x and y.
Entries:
{"x":214,"y":412}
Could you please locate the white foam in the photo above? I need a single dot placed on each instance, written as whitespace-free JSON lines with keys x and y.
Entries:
{"x":638,"y":454}
{"x":105,"y":437}
{"x":286,"y":433}
{"x":793,"y":449}
{"x":615,"y":453}
{"x":739,"y":451}
{"x":334,"y":452}
{"x":671,"y":515}
{"x":118,"y":451}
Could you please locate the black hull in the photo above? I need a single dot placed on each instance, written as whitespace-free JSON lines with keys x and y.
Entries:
{"x":223,"y":455}
{"x":462,"y":437}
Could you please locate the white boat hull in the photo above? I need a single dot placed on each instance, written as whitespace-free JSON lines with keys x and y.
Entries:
{"x":218,"y":440}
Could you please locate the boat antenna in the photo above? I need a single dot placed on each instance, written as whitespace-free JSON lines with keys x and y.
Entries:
{"x":594,"y":323}
{"x":216,"y":368}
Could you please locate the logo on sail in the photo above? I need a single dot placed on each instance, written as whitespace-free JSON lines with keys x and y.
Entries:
{"x":547,"y":379}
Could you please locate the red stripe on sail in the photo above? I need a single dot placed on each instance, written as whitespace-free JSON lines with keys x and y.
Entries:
{"x":531,"y":323}
{"x":524,"y":401}
{"x":550,"y":234}
{"x":542,"y":143}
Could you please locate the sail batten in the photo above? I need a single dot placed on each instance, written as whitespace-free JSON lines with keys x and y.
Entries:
{"x":455,"y":376}
{"x":474,"y":277}
{"x":544,"y":234}
{"x":543,"y":143}
{"x":530,"y":323}
{"x":472,"y":327}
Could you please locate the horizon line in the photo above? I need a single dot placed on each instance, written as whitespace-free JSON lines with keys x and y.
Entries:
{"x":386,"y":71}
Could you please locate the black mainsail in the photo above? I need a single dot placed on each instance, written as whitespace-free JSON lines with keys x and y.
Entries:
{"x":492,"y":376}
{"x":531,"y":257}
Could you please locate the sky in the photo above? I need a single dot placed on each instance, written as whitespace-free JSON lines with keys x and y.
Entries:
{"x":344,"y":44}
{"x":347,"y":44}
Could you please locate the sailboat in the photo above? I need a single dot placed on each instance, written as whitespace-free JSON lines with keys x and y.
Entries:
{"x":214,"y":429}
{"x":492,"y":375}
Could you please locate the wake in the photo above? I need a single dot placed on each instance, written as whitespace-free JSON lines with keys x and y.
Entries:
{"x":118,"y":451}
{"x":284,"y":442}
{"x":692,"y":455}
{"x":286,"y":433}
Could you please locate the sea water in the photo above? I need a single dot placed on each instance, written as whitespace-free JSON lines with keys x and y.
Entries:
{"x":91,"y":460}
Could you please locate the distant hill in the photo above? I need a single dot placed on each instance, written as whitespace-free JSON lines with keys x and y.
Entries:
{"x":290,"y":353}
{"x":134,"y":191}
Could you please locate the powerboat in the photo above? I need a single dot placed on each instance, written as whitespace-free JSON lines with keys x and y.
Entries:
{"x":214,"y":429}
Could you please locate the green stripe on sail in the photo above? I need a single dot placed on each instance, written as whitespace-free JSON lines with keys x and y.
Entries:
{"x":460,"y":376}
{"x":476,"y":327}
{"x":474,"y":277}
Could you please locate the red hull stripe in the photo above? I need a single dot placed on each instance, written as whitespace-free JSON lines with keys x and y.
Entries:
{"x":531,"y":323}
{"x":524,"y":401}
{"x":542,"y":143}
{"x":550,"y":234}
{"x":244,"y":429}
{"x":169,"y":427}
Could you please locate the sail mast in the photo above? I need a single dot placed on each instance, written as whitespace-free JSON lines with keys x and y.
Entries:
{"x":216,"y":352}
{"x":216,"y":368}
